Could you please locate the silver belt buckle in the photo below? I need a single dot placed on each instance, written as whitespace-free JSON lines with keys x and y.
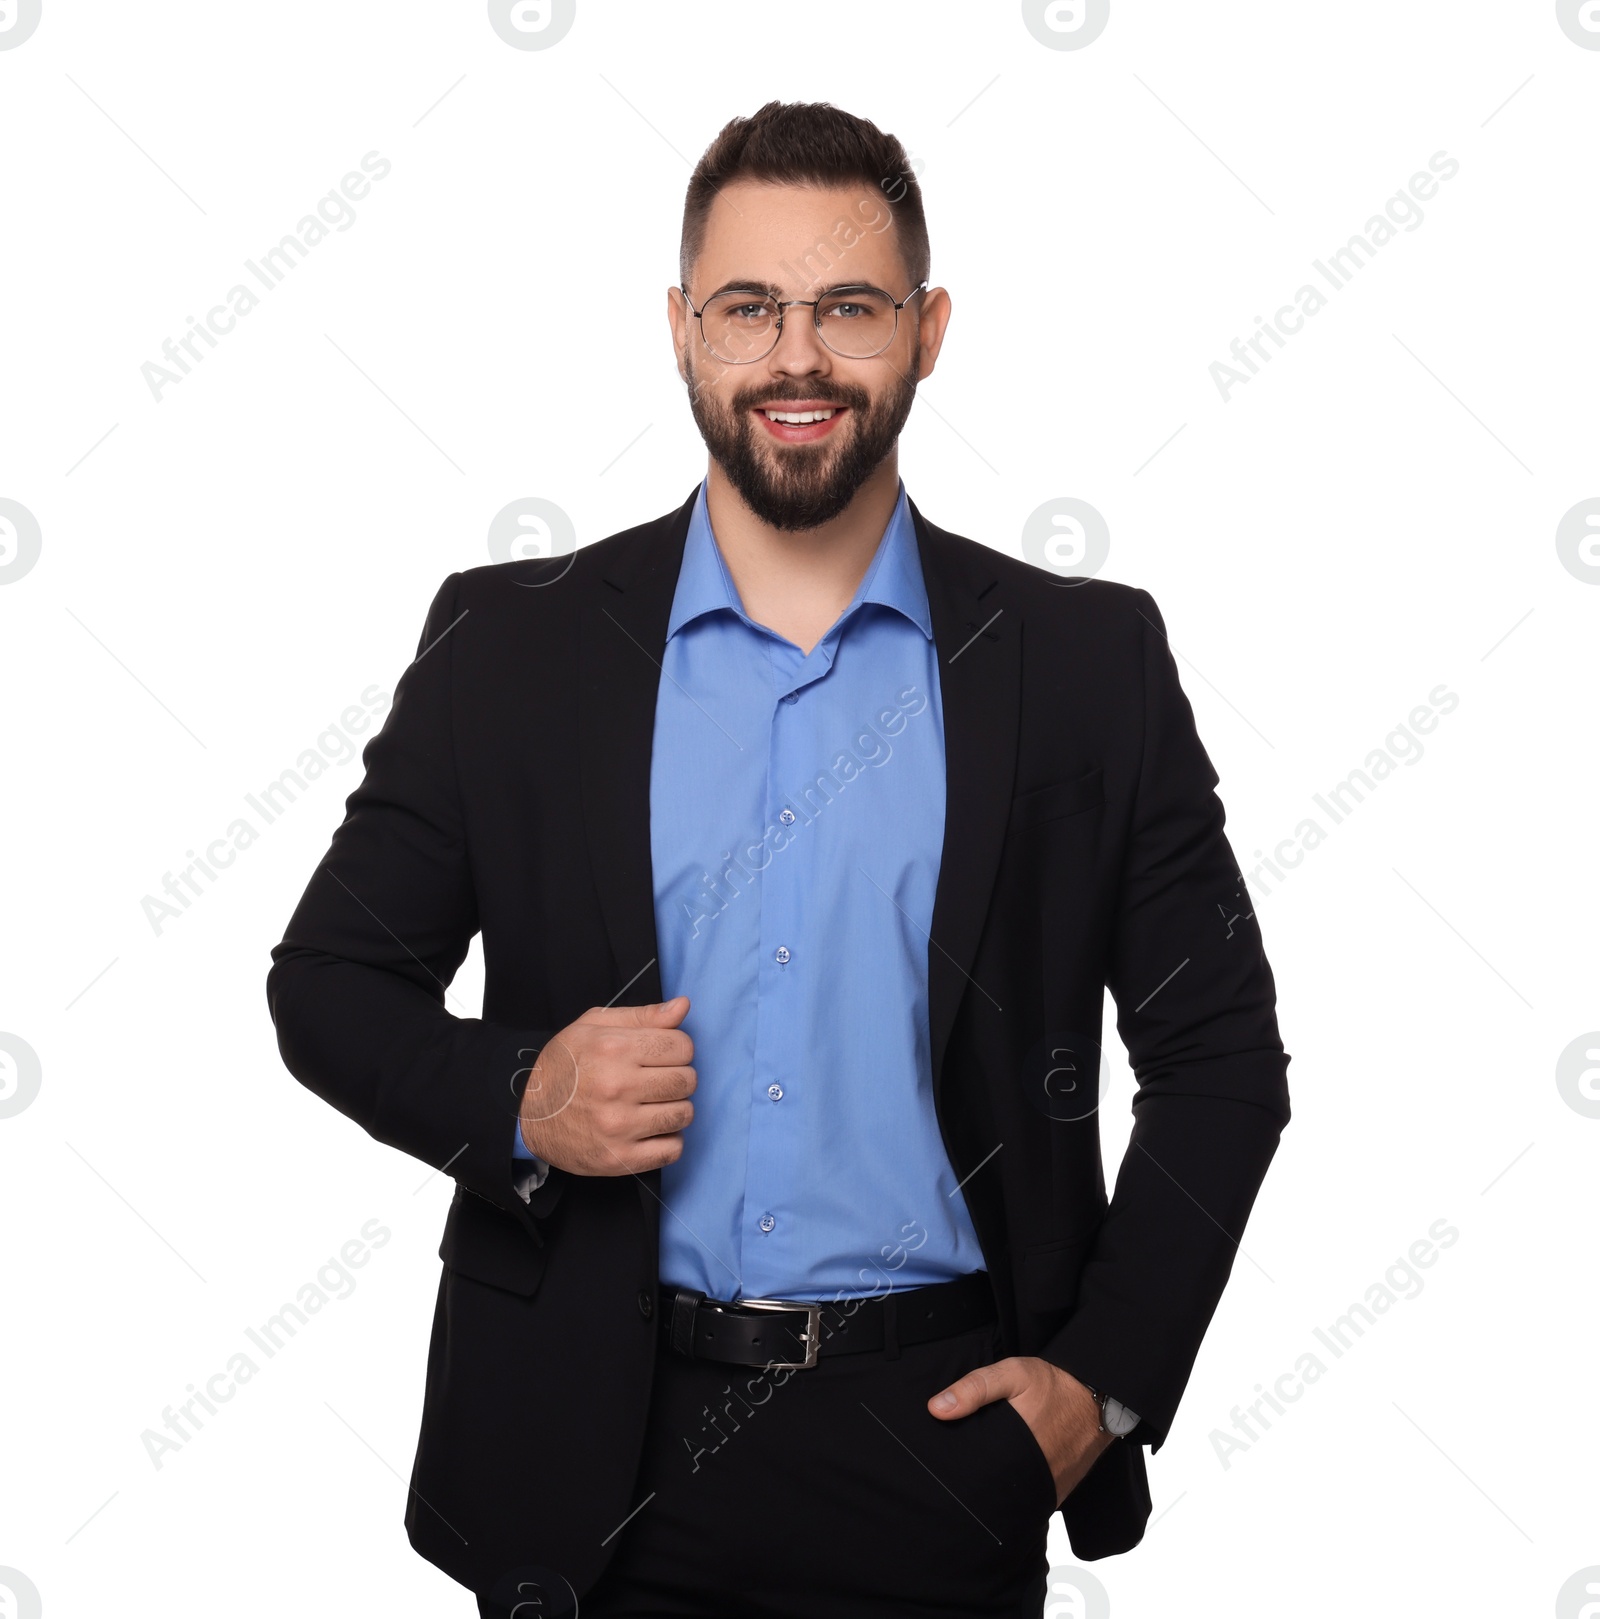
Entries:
{"x":813,"y":1332}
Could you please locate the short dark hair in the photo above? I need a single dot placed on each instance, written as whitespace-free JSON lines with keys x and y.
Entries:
{"x":807,"y":143}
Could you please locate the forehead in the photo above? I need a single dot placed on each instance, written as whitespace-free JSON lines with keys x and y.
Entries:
{"x":799,"y":236}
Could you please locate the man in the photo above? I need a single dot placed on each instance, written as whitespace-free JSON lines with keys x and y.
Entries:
{"x":804,"y":838}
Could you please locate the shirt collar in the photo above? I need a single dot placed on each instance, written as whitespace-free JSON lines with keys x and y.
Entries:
{"x":893,"y":577}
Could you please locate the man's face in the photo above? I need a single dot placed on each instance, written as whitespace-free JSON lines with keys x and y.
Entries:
{"x":800,"y":240}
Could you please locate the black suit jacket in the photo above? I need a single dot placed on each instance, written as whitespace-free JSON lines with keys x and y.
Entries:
{"x":508,"y":792}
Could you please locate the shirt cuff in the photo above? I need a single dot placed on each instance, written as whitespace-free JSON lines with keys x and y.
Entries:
{"x":529,"y":1170}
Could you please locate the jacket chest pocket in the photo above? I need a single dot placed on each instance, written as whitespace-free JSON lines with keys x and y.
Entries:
{"x":1057,"y":800}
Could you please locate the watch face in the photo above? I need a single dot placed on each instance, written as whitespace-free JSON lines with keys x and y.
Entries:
{"x":1119,"y":1420}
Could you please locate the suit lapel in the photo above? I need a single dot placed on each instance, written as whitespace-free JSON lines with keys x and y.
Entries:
{"x":980,"y":665}
{"x":622,"y":641}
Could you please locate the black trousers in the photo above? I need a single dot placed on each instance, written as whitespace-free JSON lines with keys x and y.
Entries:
{"x":833,"y":1490}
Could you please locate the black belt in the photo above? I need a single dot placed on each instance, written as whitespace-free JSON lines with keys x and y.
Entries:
{"x":770,"y":1333}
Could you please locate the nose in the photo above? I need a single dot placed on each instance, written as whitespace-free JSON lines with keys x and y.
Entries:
{"x":799,"y":349}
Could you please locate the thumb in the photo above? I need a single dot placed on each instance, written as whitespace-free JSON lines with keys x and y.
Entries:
{"x":664,"y":1014}
{"x":981,"y":1385}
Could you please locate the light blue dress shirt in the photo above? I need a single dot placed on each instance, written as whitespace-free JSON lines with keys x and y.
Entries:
{"x":796,"y":823}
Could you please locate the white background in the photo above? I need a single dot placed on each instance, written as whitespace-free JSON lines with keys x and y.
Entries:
{"x":1372,"y":516}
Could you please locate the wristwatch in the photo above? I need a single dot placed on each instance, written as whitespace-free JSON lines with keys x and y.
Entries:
{"x":1115,"y":1418}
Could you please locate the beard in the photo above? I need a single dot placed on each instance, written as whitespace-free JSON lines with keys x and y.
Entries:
{"x":800,"y":486}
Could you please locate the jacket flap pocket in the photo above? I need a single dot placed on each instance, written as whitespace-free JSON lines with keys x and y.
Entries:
{"x":488,"y":1245}
{"x":1058,"y":799}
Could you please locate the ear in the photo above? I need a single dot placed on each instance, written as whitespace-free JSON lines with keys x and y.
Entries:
{"x":678,"y":323}
{"x":932,"y":322}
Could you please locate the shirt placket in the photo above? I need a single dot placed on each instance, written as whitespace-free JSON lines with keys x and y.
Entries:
{"x":787,"y":967}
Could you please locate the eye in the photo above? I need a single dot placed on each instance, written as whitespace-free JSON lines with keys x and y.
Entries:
{"x":857,"y":307}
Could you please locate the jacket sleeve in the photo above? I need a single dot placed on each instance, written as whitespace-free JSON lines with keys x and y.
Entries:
{"x":357,"y":986}
{"x":1196,"y":1010}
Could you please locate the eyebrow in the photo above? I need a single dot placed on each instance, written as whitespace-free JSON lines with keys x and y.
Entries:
{"x":773,"y":290}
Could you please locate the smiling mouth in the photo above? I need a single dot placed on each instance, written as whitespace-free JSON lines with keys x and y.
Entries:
{"x":790,"y":425}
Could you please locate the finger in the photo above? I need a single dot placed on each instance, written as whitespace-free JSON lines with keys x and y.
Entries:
{"x":654,"y":1152}
{"x":670,"y":1085}
{"x":639,"y":1157}
{"x":663,"y":1048}
{"x":997,"y":1381}
{"x":668,"y":1150}
{"x":661,"y":1119}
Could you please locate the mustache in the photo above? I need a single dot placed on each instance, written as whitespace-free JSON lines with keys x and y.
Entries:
{"x":847,"y":399}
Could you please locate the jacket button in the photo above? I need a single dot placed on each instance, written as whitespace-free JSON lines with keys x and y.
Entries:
{"x":647,"y":1305}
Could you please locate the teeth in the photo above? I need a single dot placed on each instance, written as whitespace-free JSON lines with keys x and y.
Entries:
{"x":798,"y":418}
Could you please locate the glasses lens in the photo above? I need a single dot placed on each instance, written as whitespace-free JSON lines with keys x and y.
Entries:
{"x":739,"y":326}
{"x":857,"y":324}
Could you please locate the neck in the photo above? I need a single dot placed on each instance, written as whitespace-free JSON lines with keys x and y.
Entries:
{"x":798,"y":581}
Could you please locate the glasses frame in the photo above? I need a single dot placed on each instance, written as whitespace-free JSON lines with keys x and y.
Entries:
{"x":784,"y":304}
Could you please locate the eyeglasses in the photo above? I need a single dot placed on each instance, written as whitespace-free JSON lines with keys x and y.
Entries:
{"x":855,"y":322}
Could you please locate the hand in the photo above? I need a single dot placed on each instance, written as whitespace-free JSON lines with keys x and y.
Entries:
{"x":1059,"y":1411}
{"x":609,"y":1093}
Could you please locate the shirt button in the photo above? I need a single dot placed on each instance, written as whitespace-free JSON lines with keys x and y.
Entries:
{"x":781,"y":954}
{"x":786,"y":816}
{"x":646,"y":1304}
{"x":792,"y":697}
{"x":775,"y":1092}
{"x":767,"y":1222}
